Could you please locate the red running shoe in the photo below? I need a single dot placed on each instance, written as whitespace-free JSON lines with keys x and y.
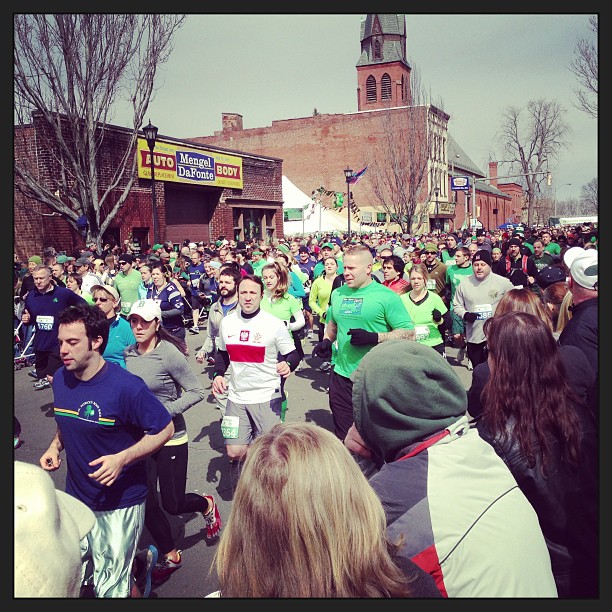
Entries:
{"x":212,"y":518}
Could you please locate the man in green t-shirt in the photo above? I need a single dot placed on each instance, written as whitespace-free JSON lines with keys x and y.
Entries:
{"x":361,"y":314}
{"x":127,"y":282}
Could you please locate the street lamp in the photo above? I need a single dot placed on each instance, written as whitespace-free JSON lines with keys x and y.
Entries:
{"x":150,"y":132}
{"x":348,"y":173}
{"x":437,"y":191}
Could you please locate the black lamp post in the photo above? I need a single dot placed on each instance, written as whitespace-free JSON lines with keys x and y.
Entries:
{"x":437,"y":191}
{"x":150,"y":132}
{"x":348,"y":173}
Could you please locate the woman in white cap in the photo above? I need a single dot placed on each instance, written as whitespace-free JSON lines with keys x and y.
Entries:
{"x":159,"y":358}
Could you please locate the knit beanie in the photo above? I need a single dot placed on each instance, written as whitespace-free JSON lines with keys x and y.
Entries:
{"x":482,"y":255}
{"x":283,"y":248}
{"x":514,"y":242}
{"x":35,"y":259}
{"x":404,"y":392}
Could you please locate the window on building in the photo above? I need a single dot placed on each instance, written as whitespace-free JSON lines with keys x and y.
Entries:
{"x":377,"y":50}
{"x":371,"y":89}
{"x":403,"y":87}
{"x":381,"y":217}
{"x":385,"y":87}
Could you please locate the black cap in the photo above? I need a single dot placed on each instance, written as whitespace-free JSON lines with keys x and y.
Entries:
{"x":549,"y":275}
{"x":482,"y":255}
{"x":480,"y":232}
{"x":126,"y":258}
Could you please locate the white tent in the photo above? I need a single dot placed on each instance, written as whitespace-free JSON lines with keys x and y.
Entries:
{"x":316,"y":217}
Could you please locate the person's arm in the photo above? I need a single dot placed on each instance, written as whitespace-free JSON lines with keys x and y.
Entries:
{"x":222,"y":362}
{"x":289,"y":360}
{"x":313,"y":299}
{"x":185,"y":379}
{"x":299,"y":322}
{"x":109,"y":467}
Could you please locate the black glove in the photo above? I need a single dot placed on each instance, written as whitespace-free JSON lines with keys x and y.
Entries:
{"x":362,"y":337}
{"x":436,"y":314}
{"x":323,"y":349}
{"x":470,"y":317}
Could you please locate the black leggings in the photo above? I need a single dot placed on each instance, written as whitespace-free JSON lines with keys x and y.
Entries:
{"x":169,"y":466}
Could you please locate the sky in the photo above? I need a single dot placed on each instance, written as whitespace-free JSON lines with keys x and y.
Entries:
{"x":268,"y":67}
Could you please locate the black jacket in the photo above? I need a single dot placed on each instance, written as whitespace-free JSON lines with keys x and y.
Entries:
{"x":567,"y":506}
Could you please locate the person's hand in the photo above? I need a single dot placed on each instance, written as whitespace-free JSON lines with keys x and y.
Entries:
{"x":354,"y":442}
{"x":470,"y":317}
{"x":219,"y":386}
{"x":283,"y":369}
{"x":323,"y":349}
{"x":362,"y":337}
{"x":436,"y":314}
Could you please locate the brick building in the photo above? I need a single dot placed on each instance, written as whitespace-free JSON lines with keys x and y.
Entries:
{"x":187,"y":208}
{"x":315,"y":150}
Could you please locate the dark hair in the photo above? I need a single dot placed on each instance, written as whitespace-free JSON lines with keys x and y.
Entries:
{"x":231,"y":269}
{"x":76,"y":277}
{"x":528,"y":390}
{"x":96,"y":323}
{"x":253,"y":278}
{"x":397,"y":262}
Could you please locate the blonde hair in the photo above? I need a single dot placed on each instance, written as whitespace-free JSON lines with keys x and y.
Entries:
{"x":305,"y":522}
{"x":565,"y":314}
{"x":282,"y":273}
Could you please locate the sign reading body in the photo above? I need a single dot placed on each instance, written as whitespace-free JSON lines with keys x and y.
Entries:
{"x":193,"y":166}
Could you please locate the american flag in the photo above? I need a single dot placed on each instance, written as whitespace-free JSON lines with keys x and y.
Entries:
{"x":356,"y":176}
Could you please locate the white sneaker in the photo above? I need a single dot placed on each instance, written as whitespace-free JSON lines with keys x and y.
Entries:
{"x":309,"y":333}
{"x":470,"y":367}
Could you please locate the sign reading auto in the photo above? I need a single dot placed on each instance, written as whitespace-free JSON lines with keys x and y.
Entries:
{"x":193,"y":166}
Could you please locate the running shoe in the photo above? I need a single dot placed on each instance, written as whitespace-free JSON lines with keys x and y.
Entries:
{"x":212,"y":518}
{"x":470,"y":367}
{"x":34,"y":374}
{"x":325,"y":366}
{"x":194,"y":329}
{"x":309,"y":333}
{"x":165,"y":568}
{"x":43,"y":383}
{"x":145,"y":561}
{"x":461,"y":354}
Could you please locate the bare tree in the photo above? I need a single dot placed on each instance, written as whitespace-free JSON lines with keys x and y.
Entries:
{"x":532,"y":143}
{"x":399,"y":166}
{"x":589,"y":197}
{"x":585,"y":67}
{"x":71,"y":70}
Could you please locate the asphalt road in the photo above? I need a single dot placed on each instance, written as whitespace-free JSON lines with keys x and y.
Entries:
{"x":208,"y":471}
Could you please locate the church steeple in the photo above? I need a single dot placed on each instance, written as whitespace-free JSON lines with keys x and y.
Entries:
{"x":383,"y":73}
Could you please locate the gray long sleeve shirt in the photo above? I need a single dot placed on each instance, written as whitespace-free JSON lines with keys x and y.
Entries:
{"x":170,"y":377}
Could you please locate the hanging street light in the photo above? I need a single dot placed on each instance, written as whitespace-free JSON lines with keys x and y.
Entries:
{"x":348,"y":173}
{"x":150,"y":132}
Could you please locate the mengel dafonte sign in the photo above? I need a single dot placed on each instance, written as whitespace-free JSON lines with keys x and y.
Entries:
{"x":192,"y":166}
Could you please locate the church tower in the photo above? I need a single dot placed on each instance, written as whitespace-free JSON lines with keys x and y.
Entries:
{"x":383,"y":74}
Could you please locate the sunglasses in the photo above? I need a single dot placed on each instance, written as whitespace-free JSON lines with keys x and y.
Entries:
{"x":99,"y":299}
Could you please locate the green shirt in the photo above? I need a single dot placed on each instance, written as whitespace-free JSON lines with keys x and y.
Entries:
{"x":127,"y":288}
{"x":454,"y":274}
{"x":320,"y":268}
{"x":426,"y":329}
{"x":375,"y":308}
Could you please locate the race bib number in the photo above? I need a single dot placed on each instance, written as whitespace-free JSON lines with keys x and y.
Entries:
{"x":229,"y":426}
{"x":484,"y":311}
{"x":431,"y":284}
{"x":126,"y":307}
{"x":421,"y":332}
{"x":351,"y":306}
{"x":44,"y":322}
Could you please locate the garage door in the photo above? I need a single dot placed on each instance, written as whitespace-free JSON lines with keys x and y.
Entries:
{"x":188,"y":212}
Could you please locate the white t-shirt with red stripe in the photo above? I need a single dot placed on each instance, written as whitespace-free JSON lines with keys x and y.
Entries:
{"x":253,"y":346}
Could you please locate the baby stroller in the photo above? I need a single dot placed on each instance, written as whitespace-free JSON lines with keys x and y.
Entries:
{"x":23,"y":354}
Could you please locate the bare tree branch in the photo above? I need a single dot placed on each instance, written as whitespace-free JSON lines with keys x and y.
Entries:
{"x":400,"y":170}
{"x":585,"y":67}
{"x":533,"y":137}
{"x":70,"y":71}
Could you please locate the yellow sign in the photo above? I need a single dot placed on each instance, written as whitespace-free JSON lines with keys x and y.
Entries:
{"x":181,"y":164}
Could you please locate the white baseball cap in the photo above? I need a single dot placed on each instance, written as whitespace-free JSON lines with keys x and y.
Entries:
{"x":584,"y":269}
{"x":49,"y":525}
{"x":147,"y":309}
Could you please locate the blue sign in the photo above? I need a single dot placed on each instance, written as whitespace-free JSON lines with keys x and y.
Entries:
{"x":195,"y":166}
{"x":460,"y":183}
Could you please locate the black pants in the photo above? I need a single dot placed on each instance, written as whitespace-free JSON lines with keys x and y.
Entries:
{"x":341,"y":403}
{"x":169,"y":466}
